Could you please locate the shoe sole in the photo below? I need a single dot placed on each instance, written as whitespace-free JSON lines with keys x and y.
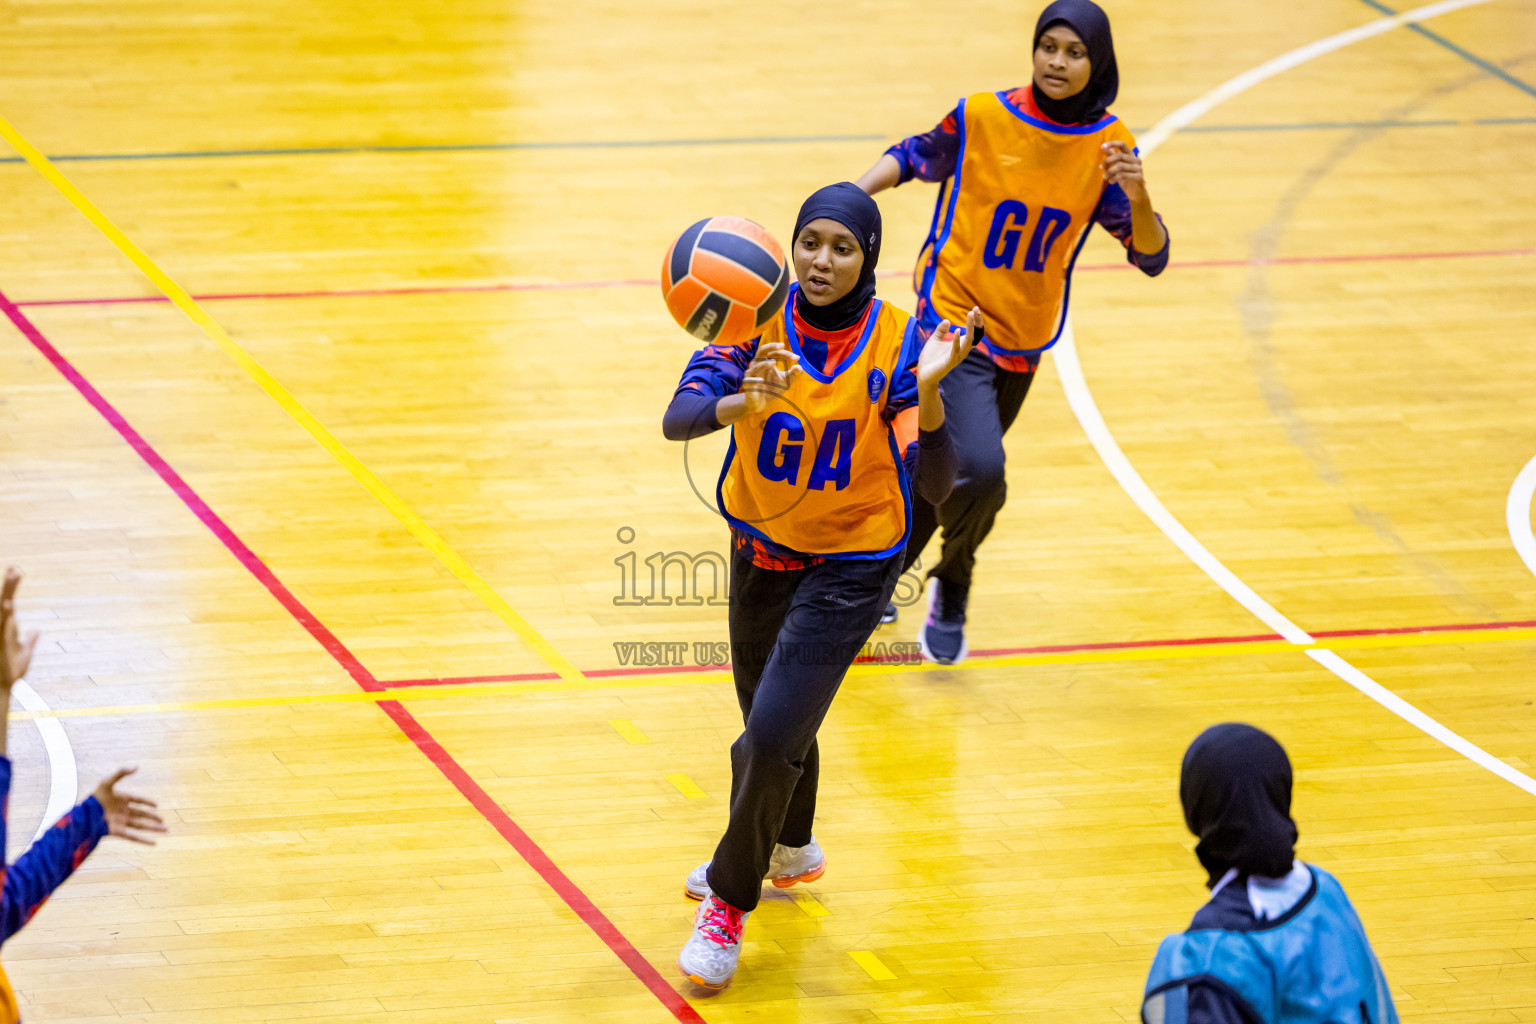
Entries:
{"x":809,"y":876}
{"x":779,"y":883}
{"x":711,"y":986}
{"x":922,"y":643}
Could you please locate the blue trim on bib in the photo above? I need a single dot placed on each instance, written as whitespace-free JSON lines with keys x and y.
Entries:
{"x":890,"y":436}
{"x":942,"y":236}
{"x":725,"y":467}
{"x":793,"y":338}
{"x":1066,"y":301}
{"x":911,"y":348}
{"x":1056,"y":129}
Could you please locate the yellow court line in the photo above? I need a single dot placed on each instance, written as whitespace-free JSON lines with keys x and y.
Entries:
{"x":1465,"y":636}
{"x":872,"y":965}
{"x":685,"y":786}
{"x":808,"y":904}
{"x":291,"y":405}
{"x":628,"y":730}
{"x":587,"y":683}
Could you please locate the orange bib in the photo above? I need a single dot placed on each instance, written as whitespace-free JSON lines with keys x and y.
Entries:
{"x":9,"y":1012}
{"x":816,"y":469}
{"x":1009,"y":225}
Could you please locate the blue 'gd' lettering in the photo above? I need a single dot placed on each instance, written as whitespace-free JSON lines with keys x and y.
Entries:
{"x":1007,"y":228}
{"x":1008,"y":222}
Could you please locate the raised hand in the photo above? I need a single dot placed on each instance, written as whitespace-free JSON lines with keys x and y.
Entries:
{"x":15,"y":652}
{"x":946,"y":349}
{"x":127,"y":815}
{"x":1122,"y":167}
{"x":765,"y":379}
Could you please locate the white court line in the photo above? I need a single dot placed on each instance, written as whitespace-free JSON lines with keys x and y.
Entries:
{"x":1198,"y":108}
{"x":1069,"y":369}
{"x":62,"y":780}
{"x":1517,"y":513}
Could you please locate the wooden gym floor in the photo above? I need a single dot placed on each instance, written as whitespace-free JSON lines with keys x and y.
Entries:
{"x":341,"y":544}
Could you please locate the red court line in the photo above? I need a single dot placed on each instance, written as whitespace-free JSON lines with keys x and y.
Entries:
{"x":457,"y":289}
{"x":345,"y":293}
{"x":994,"y":652}
{"x":444,"y":762}
{"x":1372,"y":257}
{"x":190,"y":498}
{"x":524,"y":677}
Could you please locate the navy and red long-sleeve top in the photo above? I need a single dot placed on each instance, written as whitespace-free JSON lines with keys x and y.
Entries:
{"x":48,"y":862}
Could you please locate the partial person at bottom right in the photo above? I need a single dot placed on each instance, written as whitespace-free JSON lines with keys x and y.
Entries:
{"x":1279,"y":941}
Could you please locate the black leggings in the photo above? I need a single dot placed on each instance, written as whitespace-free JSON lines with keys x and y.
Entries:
{"x":981,"y":401}
{"x":794,"y":632}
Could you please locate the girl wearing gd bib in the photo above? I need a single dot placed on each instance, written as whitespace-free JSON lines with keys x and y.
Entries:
{"x":1029,"y":171}
{"x":835,"y":415}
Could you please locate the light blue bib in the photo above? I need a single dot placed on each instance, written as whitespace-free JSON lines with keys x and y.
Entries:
{"x":1311,"y":965}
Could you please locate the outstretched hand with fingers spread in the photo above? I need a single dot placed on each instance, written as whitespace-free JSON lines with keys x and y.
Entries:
{"x":15,"y":653}
{"x":128,"y":816}
{"x":947,"y":349}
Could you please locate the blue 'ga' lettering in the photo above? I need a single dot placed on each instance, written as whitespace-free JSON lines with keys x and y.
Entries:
{"x":776,"y":458}
{"x":834,"y":457}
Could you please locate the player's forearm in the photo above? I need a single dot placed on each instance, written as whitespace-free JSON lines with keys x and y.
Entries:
{"x":730,"y":409}
{"x":1147,"y":234}
{"x":937,"y":465}
{"x":5,"y":722}
{"x":690,"y":414}
{"x":886,"y":173}
{"x":930,"y":406}
{"x":48,"y":862}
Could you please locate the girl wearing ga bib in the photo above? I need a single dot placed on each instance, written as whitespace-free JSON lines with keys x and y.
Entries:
{"x":1027,"y":173}
{"x":836,"y":418}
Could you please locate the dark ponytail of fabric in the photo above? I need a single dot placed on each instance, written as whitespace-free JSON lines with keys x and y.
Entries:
{"x":1089,"y":21}
{"x":1236,"y":790}
{"x":851,"y":207}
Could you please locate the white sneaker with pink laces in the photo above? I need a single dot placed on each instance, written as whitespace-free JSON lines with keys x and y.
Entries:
{"x":709,"y":957}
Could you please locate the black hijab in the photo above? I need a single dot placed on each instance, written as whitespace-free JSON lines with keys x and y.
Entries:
{"x":851,"y":207}
{"x":1089,"y":21}
{"x":1236,"y":791}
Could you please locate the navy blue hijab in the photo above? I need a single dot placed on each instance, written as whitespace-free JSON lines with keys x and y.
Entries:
{"x":1089,"y":21}
{"x":851,"y":207}
{"x":1236,"y":791}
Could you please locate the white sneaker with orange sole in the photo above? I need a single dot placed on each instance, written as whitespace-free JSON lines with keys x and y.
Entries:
{"x":789,"y":865}
{"x":709,"y":957}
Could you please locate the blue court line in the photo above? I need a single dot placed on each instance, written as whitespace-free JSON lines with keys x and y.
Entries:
{"x":1486,"y":65}
{"x":760,"y":140}
{"x":483,"y":147}
{"x":1309,"y":126}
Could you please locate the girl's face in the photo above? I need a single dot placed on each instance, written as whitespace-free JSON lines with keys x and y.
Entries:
{"x":827,"y":261}
{"x":1061,"y":63}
